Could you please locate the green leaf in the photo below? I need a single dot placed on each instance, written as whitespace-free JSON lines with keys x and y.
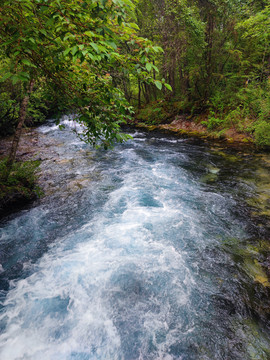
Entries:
{"x":148,"y":66}
{"x":157,"y":49}
{"x":89,"y":33}
{"x":6,"y":76}
{"x":43,"y":31}
{"x":26,"y":62}
{"x":95,"y":46}
{"x":133,"y":26}
{"x":143,"y":59}
{"x":168,"y":86}
{"x":74,"y":50}
{"x":119,"y":19}
{"x":14,"y":79}
{"x":158,"y":84}
{"x":66,"y":51}
{"x":112,"y":44}
{"x":23,"y":76}
{"x":69,"y":36}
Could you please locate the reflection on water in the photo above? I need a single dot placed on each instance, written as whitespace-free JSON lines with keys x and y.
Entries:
{"x":143,"y":252}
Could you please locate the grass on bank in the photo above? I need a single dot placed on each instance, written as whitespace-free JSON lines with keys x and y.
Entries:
{"x":249,"y":115}
{"x":20,"y":187}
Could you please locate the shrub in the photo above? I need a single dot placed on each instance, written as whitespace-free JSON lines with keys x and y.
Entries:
{"x":262,"y":133}
{"x":22,"y":175}
{"x":154,"y":113}
{"x":213,"y":122}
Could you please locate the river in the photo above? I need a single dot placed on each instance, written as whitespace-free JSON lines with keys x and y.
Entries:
{"x":148,"y":251}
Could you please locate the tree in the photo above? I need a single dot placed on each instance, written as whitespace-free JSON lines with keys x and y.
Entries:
{"x":74,"y":46}
{"x":255,"y":33}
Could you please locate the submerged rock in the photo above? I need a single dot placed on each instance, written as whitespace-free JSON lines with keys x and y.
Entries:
{"x":256,"y":271}
{"x":213,"y":169}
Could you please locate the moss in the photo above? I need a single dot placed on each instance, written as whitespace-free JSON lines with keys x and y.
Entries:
{"x":140,"y":124}
{"x":261,"y":200}
{"x":257,"y":341}
{"x":199,"y":132}
{"x":255,"y":270}
{"x":20,"y":187}
{"x":249,"y":256}
{"x":227,"y":157}
{"x":152,"y":127}
{"x":209,"y":178}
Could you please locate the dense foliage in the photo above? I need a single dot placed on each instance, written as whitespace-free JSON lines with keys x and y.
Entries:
{"x":72,"y":47}
{"x":93,"y":58}
{"x":216,"y":58}
{"x":20,"y":188}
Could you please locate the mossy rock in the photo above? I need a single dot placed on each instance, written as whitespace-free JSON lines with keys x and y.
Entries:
{"x":261,"y":201}
{"x":256,"y":271}
{"x":152,"y":127}
{"x":248,"y":255}
{"x":209,"y":178}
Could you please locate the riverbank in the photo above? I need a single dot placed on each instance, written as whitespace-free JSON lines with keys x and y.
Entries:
{"x":183,"y":127}
{"x":21,"y":188}
{"x":36,"y":145}
{"x":231,"y":126}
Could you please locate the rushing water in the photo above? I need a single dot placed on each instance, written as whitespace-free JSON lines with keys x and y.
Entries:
{"x":130,"y":255}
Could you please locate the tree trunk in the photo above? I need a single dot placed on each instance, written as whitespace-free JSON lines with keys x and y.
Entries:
{"x":146,"y":94}
{"x":126,"y":86}
{"x":18,"y":132}
{"x":209,"y":49}
{"x":139,"y":94}
{"x":172,"y":68}
{"x":154,"y":89}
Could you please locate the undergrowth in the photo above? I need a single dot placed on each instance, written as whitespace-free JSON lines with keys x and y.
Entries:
{"x":21,"y":181}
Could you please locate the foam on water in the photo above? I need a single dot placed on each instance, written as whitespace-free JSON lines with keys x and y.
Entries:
{"x":68,"y":121}
{"x":127,"y":283}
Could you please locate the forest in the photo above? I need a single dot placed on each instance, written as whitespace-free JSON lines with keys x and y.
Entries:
{"x":134,"y":179}
{"x":106,"y":60}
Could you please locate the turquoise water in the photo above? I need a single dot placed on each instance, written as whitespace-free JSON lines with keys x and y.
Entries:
{"x":126,"y":258}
